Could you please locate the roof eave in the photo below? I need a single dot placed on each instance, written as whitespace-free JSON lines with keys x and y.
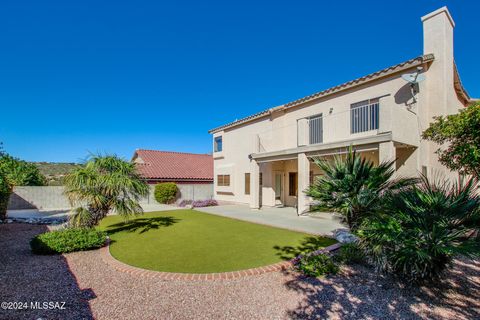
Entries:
{"x":459,"y":88}
{"x":177,"y":179}
{"x":420,"y":60}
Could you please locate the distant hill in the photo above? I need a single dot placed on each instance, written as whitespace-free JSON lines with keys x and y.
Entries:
{"x":56,"y":171}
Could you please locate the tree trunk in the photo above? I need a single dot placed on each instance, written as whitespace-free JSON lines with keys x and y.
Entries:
{"x":4,"y":198}
{"x":97,"y":215}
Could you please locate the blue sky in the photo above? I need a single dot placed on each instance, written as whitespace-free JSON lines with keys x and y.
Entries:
{"x":113,"y":76}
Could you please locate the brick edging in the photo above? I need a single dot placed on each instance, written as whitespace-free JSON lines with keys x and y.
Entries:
{"x":135,"y":271}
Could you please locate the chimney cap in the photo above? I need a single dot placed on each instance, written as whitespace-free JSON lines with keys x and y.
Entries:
{"x":443,"y":9}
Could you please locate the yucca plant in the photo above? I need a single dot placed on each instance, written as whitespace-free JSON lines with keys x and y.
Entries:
{"x":353,"y":185}
{"x":421,"y":229}
{"x":105,"y":184}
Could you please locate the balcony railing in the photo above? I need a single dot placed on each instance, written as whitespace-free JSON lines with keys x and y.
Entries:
{"x":310,"y":130}
{"x":364,"y":116}
{"x":315,"y":129}
{"x":360,"y":120}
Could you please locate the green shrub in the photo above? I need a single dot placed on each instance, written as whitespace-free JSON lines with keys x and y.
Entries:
{"x":458,"y":138}
{"x":5,"y":192}
{"x":67,"y":240}
{"x":422,"y":229}
{"x":21,"y":173}
{"x":350,"y":253}
{"x":316,"y":265}
{"x":166,"y":192}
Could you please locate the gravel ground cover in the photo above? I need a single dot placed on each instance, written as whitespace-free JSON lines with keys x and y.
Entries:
{"x":92,"y":289}
{"x":25,"y":277}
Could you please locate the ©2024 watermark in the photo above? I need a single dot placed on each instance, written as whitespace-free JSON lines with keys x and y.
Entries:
{"x":33,"y":305}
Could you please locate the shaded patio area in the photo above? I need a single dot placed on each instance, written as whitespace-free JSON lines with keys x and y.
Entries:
{"x":323,"y":223}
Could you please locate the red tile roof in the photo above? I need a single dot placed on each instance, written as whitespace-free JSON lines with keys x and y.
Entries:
{"x":165,"y":165}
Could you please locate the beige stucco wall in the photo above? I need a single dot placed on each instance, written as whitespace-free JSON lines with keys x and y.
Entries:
{"x":234,"y":161}
{"x":399,"y":114}
{"x":440,"y":97}
{"x":279,"y":132}
{"x":336,"y":116}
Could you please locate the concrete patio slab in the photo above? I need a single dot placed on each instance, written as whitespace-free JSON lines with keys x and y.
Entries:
{"x":322,"y":224}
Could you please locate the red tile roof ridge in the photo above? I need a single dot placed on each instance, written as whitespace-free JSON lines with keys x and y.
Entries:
{"x":178,"y":152}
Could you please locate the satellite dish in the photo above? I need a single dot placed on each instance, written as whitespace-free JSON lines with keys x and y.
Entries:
{"x":413,"y":78}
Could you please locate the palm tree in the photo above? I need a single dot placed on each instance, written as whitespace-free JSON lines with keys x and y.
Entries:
{"x":353,"y":185}
{"x":104,"y":184}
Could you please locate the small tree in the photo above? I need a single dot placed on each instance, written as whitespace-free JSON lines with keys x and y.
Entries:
{"x":165,"y":192}
{"x":352,"y":185}
{"x":15,"y":172}
{"x":20,"y":173}
{"x":459,"y":135}
{"x":104,"y":184}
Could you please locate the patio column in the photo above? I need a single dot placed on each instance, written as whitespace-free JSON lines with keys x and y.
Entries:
{"x":303,"y":182}
{"x":386,"y":151}
{"x":254,"y":185}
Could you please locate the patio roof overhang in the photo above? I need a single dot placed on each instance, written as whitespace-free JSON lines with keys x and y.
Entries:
{"x":359,"y":144}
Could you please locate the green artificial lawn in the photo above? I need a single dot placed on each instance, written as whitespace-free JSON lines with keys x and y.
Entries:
{"x":189,"y":241}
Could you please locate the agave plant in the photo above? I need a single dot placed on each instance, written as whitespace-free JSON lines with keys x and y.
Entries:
{"x":421,"y":229}
{"x":353,"y":185}
{"x":105,"y":184}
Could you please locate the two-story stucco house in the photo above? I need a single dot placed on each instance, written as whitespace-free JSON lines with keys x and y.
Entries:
{"x":265,"y":159}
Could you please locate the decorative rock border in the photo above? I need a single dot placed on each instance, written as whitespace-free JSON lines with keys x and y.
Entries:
{"x":54,"y":221}
{"x":135,"y":271}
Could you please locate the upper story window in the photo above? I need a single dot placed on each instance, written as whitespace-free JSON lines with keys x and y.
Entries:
{"x":217,"y":144}
{"x":364,"y":116}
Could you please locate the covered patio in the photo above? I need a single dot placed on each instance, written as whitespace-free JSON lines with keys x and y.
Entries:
{"x":280,"y":178}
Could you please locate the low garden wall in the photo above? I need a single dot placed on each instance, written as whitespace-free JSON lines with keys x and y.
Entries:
{"x":43,"y":198}
{"x":52,"y":197}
